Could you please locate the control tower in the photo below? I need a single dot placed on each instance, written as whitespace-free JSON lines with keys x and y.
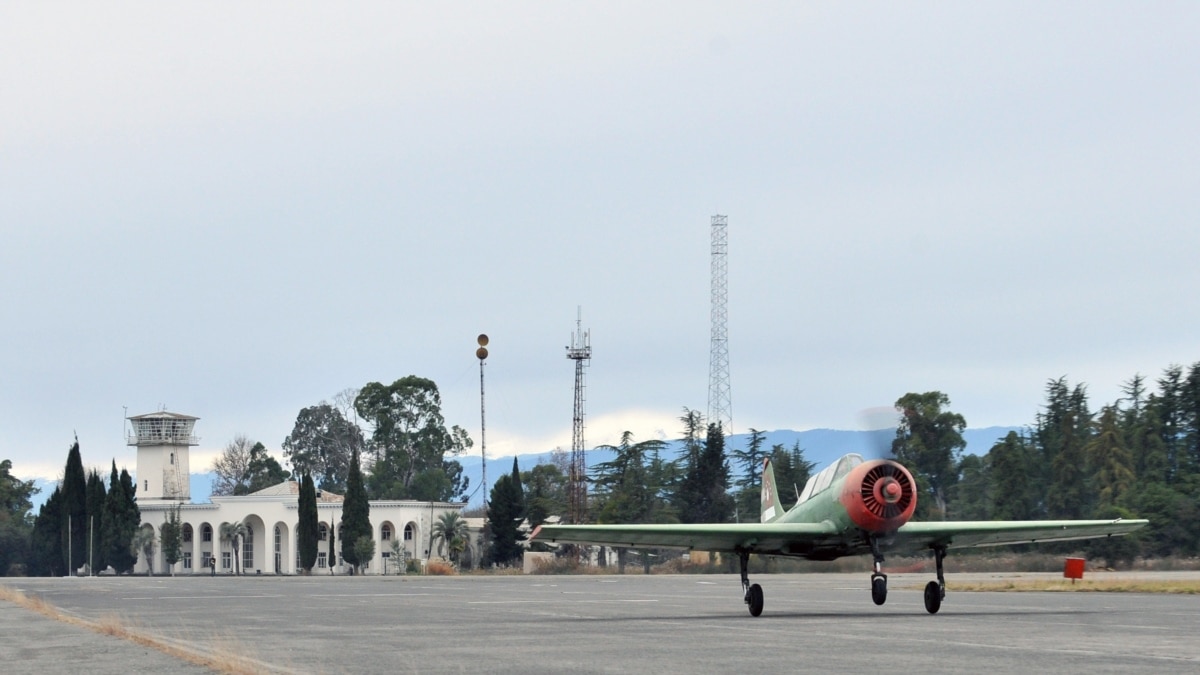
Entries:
{"x":163,"y":440}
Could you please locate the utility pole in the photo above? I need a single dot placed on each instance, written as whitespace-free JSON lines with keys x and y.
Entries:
{"x":481,"y":354}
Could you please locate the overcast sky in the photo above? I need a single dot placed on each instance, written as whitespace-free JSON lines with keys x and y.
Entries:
{"x":237,"y":210}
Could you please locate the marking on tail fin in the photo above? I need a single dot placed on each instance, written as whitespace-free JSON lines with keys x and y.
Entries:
{"x":771,"y":509}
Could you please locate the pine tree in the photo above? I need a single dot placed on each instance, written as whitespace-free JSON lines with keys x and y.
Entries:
{"x":74,"y":512}
{"x":356,"y":513}
{"x":1170,"y":408}
{"x":1011,"y":465}
{"x":1064,"y":430}
{"x":792,"y":471}
{"x":703,"y":494}
{"x":750,"y":484}
{"x":308,"y":528}
{"x":1144,"y":434}
{"x":1109,"y":461}
{"x":1190,"y":405}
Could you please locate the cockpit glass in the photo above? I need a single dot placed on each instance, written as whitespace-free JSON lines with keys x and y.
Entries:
{"x":823,"y":479}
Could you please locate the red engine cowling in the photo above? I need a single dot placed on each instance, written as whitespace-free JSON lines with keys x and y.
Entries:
{"x":879,"y":495}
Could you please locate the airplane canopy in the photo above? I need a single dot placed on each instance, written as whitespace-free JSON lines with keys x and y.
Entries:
{"x":825,"y":477}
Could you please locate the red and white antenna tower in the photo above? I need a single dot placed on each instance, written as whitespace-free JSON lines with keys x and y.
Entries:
{"x":580,"y":352}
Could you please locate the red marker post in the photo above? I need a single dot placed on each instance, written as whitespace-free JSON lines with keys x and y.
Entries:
{"x":1073,"y":569}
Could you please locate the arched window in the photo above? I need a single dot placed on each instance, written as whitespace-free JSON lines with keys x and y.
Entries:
{"x":248,"y":550}
{"x":186,"y":533}
{"x":206,"y":532}
{"x":323,"y":532}
{"x":409,"y":532}
{"x":385,"y":532}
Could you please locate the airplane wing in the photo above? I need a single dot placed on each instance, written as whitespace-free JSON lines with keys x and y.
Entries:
{"x":968,"y":534}
{"x":754,"y":537}
{"x":785,"y":538}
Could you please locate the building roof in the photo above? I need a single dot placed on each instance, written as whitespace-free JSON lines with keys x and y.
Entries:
{"x":162,"y":415}
{"x":291,"y":487}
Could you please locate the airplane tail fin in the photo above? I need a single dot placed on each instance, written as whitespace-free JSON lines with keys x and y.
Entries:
{"x":772,"y":509}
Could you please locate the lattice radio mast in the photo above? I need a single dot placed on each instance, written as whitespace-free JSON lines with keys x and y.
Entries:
{"x":720,"y":402}
{"x":580,"y":352}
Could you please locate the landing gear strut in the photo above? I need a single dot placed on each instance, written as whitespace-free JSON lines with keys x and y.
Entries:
{"x":878,"y":578}
{"x":935,"y":591}
{"x":753,"y":593}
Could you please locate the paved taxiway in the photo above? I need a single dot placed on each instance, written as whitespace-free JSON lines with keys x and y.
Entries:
{"x":689,"y":624}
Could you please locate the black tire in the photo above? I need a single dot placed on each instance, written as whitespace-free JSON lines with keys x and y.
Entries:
{"x":879,"y":590}
{"x":933,"y":597}
{"x":755,"y":599}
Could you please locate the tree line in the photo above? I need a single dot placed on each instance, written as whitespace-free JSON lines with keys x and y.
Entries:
{"x":1136,"y":457}
{"x":83,"y":525}
{"x":398,"y":432}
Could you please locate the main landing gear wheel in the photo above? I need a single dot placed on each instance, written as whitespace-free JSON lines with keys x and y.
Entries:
{"x":879,"y":589}
{"x":878,"y":578}
{"x":754,"y":598}
{"x":752,"y":593}
{"x":933,"y":597}
{"x":935,"y":591}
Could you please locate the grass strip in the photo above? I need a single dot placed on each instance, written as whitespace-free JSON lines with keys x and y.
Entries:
{"x":221,"y":660}
{"x":1181,"y":587}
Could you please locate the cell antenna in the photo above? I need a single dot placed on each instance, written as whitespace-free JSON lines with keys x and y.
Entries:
{"x":580,"y":351}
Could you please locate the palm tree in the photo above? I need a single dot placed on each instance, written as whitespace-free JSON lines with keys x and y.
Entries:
{"x":451,"y":532}
{"x":143,"y":544}
{"x":233,"y":533}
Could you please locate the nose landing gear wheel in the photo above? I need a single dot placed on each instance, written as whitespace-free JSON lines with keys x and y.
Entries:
{"x":933,"y":597}
{"x":879,"y":589}
{"x":754,"y":599}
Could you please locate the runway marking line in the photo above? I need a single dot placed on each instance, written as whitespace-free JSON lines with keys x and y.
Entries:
{"x":198,"y":597}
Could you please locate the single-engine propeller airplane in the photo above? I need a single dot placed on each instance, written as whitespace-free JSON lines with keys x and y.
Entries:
{"x":852,"y":507}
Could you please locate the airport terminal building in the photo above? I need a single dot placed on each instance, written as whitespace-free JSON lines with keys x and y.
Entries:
{"x":402,"y":529}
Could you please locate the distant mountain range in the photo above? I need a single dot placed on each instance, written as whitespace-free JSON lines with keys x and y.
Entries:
{"x":820,"y":446}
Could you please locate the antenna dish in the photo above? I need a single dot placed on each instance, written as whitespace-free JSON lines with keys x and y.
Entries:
{"x":482,"y":340}
{"x":481,"y":353}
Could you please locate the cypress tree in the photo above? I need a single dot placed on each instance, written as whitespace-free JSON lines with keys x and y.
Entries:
{"x":171,"y":538}
{"x":46,"y":540}
{"x":356,"y":512}
{"x":108,"y":520}
{"x":94,"y":527}
{"x":308,"y":529}
{"x":125,"y":516}
{"x":506,"y":510}
{"x":74,"y":512}
{"x":333,"y":551}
